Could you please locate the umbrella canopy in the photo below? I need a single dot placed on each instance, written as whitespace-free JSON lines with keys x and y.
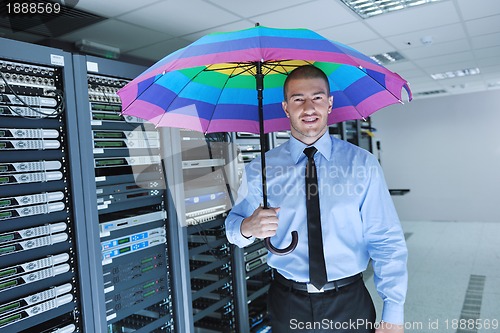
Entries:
{"x":233,"y":82}
{"x":210,"y":85}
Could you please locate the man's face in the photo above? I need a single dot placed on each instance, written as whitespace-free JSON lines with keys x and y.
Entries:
{"x":307,"y":105}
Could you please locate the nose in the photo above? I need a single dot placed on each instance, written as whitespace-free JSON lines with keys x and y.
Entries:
{"x":308,"y":105}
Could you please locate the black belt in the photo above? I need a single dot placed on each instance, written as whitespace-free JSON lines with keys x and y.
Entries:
{"x":307,"y":287}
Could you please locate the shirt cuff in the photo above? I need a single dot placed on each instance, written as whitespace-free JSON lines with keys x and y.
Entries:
{"x":236,"y":237}
{"x":393,"y":313}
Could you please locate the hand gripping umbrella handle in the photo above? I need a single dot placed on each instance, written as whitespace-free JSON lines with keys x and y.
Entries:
{"x":288,"y":249}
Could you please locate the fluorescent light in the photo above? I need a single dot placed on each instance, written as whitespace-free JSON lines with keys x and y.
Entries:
{"x":457,"y":73}
{"x":387,"y":58}
{"x":370,"y":8}
{"x":98,"y":49}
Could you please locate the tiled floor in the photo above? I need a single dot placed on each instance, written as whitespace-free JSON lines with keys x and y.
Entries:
{"x":442,"y":258}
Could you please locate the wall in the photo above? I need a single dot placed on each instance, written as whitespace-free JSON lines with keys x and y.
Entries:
{"x":446,"y":150}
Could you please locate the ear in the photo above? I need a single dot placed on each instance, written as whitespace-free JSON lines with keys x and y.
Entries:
{"x":330,"y":104}
{"x":284,"y":105}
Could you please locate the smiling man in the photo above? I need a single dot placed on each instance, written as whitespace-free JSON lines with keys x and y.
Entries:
{"x":334,"y":194}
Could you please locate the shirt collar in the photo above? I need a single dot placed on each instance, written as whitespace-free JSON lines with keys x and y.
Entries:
{"x":323,"y":145}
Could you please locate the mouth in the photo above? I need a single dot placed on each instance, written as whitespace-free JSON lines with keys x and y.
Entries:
{"x":310,"y":120}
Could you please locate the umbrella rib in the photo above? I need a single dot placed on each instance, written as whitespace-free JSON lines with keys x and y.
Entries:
{"x":183,"y":50}
{"x":272,"y":68}
{"x":177,"y":95}
{"x":249,"y":67}
{"x":239,"y":65}
{"x":280,"y":64}
{"x":143,"y":91}
{"x":362,"y":116}
{"x":385,"y":88}
{"x":360,"y":68}
{"x":218,"y":98}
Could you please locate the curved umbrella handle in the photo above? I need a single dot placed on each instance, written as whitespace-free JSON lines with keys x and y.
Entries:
{"x":288,"y":249}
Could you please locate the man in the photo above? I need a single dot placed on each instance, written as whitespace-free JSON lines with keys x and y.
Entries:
{"x":356,"y":217}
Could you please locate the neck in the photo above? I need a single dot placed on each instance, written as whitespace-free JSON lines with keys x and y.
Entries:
{"x":308,"y":140}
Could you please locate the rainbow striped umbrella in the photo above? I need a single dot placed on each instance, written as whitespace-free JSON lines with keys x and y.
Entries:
{"x":233,"y":82}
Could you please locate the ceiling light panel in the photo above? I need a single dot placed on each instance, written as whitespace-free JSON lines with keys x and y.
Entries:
{"x":454,"y":74}
{"x":387,"y":58}
{"x":370,"y":8}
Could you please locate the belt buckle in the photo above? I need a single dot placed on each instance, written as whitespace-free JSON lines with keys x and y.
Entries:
{"x":312,"y":289}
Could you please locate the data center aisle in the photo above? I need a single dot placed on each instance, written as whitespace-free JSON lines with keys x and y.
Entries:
{"x":454,"y":277}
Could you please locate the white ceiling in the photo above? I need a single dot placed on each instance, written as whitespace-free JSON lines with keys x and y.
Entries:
{"x":465,"y":33}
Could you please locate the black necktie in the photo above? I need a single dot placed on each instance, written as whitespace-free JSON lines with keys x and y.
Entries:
{"x":317,"y":268}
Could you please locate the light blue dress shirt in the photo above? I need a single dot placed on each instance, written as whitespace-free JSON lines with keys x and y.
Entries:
{"x":358,"y":217}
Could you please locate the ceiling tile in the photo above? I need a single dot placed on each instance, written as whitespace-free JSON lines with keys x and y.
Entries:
{"x":414,"y":19}
{"x":492,"y":68}
{"x":312,"y":15}
{"x":446,"y":59}
{"x":438,"y":49}
{"x":485,"y":62}
{"x":22,"y":36}
{"x":177,"y":18}
{"x":439,"y":35}
{"x":118,"y":34}
{"x":112,"y":8}
{"x":483,"y":26}
{"x":403,"y":65}
{"x":240,"y":25}
{"x":461,"y":82}
{"x":484,"y":41}
{"x":476,"y":9}
{"x":372,"y":47}
{"x":349,"y":33}
{"x":450,"y":67}
{"x":159,"y":50}
{"x":466,"y":87}
{"x":409,"y":75}
{"x":493,"y":76}
{"x":255,"y":7}
{"x":424,"y":84}
{"x":490,"y":52}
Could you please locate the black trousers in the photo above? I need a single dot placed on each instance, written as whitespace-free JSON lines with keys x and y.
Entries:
{"x":350,"y":309}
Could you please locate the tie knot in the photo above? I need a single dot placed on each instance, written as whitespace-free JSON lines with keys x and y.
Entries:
{"x":310,"y":151}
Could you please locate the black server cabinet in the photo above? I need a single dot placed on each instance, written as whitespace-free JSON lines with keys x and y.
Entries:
{"x":206,"y":201}
{"x":366,"y":134}
{"x":125,"y":203}
{"x":43,"y":253}
{"x":253,"y":275}
{"x":357,"y":132}
{"x":198,"y":179}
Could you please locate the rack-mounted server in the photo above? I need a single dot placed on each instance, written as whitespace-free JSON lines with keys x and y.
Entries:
{"x":40,"y":284}
{"x":126,"y":203}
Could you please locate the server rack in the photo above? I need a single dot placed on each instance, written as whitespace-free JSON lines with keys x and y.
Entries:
{"x":125,"y":204}
{"x":357,"y":132}
{"x":43,"y":281}
{"x":253,"y":275}
{"x":366,"y":134}
{"x":277,"y":138}
{"x":198,"y":181}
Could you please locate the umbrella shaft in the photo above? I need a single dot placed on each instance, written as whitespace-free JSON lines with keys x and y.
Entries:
{"x":259,"y":78}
